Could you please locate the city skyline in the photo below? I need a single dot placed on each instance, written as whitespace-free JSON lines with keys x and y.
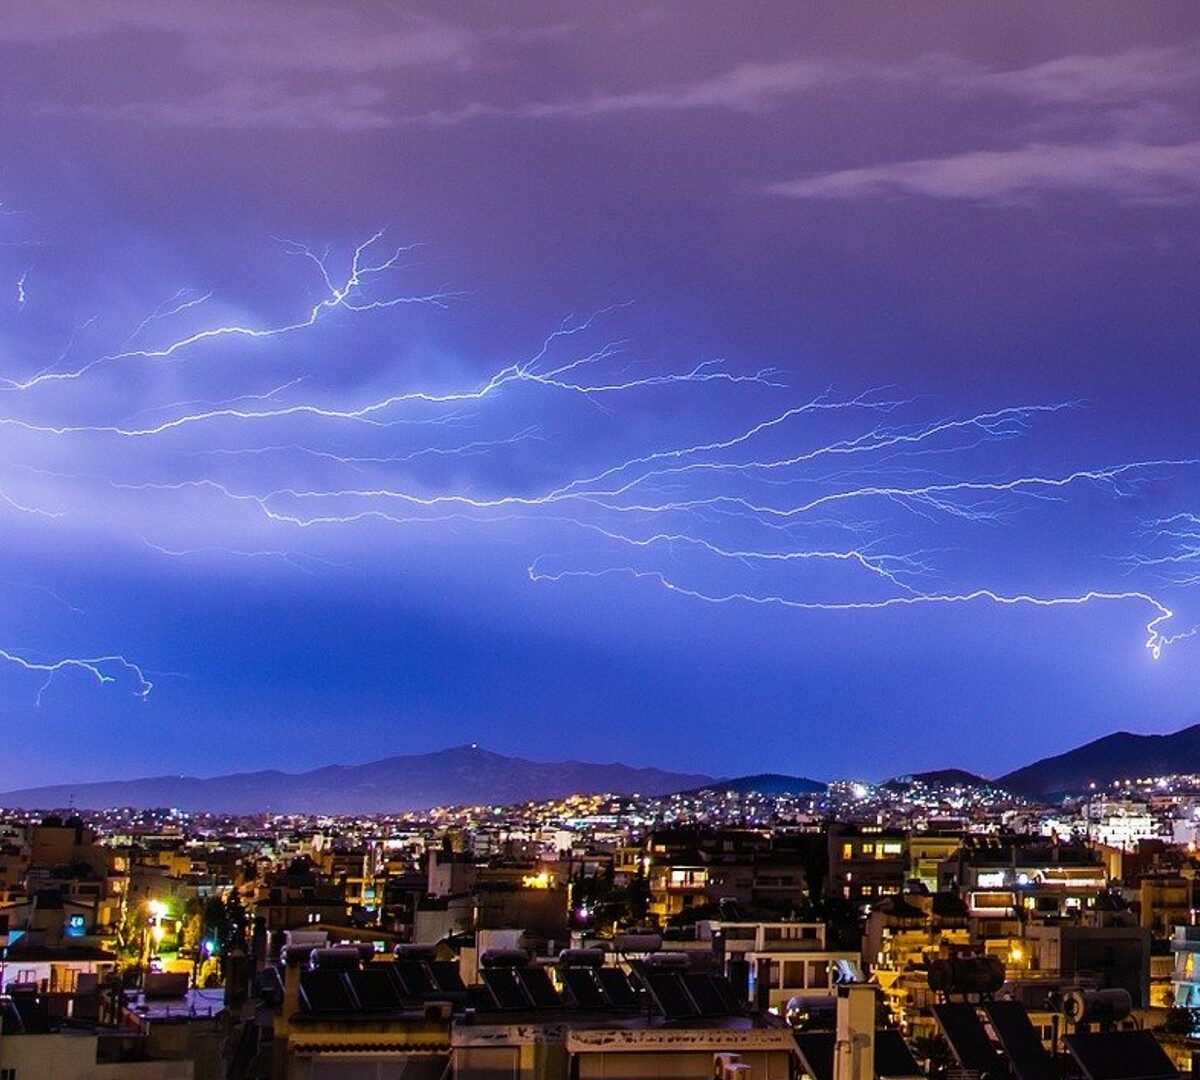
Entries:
{"x":721,"y":393}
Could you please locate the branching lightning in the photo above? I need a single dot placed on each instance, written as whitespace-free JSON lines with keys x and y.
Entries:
{"x":1156,"y":640}
{"x":825,"y":506}
{"x":1175,"y":542}
{"x":99,"y":668}
{"x":349,"y":294}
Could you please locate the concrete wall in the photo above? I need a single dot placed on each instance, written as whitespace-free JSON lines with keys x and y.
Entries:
{"x":677,"y":1066}
{"x":48,"y":1057}
{"x":72,"y":1056}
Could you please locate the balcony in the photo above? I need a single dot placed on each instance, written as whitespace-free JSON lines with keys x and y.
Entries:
{"x":680,"y":881}
{"x":789,"y":945}
{"x":1186,"y":939}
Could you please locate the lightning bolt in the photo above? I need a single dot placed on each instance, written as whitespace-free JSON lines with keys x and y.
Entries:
{"x":348,"y":295}
{"x":99,"y":668}
{"x":297,"y":560}
{"x":1176,"y":540}
{"x":821,"y":492}
{"x":1156,"y":640}
{"x":367,"y":413}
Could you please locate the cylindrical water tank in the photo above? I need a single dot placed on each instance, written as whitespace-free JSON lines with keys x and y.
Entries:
{"x":295,"y":955}
{"x":504,"y":958}
{"x":967,"y":975}
{"x":674,"y":961}
{"x":581,"y":958}
{"x":337,"y":958}
{"x":637,"y":943}
{"x":1096,"y":1006}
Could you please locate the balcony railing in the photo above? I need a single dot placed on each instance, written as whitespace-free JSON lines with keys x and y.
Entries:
{"x":790,"y":945}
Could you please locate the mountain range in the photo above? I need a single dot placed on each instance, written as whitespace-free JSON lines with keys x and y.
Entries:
{"x":468,"y":775}
{"x":460,"y":776}
{"x":1100,"y":762}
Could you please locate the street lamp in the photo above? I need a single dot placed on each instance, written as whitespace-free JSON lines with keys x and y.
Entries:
{"x":158,"y":910}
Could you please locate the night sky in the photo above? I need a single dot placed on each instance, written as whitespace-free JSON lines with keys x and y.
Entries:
{"x":726,"y":387}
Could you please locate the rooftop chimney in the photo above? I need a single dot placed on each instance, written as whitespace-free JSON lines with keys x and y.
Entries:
{"x":854,"y":1051}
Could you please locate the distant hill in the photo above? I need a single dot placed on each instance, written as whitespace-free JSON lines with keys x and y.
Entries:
{"x":941,"y":778}
{"x":464,"y":775}
{"x":468,"y":775}
{"x":1102,"y":761}
{"x":765,"y":784}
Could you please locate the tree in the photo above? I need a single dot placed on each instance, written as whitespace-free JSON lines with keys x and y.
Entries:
{"x":636,"y":898}
{"x":131,"y":925}
{"x":214,"y":925}
{"x":624,"y":905}
{"x":191,"y":925}
{"x":236,"y":923}
{"x":1181,"y":1021}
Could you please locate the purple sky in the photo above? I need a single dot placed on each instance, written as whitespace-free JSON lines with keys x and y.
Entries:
{"x":960,"y":240}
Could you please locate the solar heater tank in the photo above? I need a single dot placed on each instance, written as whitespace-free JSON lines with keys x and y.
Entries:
{"x":296,"y":955}
{"x":668,"y":961}
{"x":1096,"y":1006}
{"x":968,"y":975}
{"x":581,"y":958}
{"x":414,"y":952}
{"x":637,"y":943}
{"x":338,"y":958}
{"x":504,"y":958}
